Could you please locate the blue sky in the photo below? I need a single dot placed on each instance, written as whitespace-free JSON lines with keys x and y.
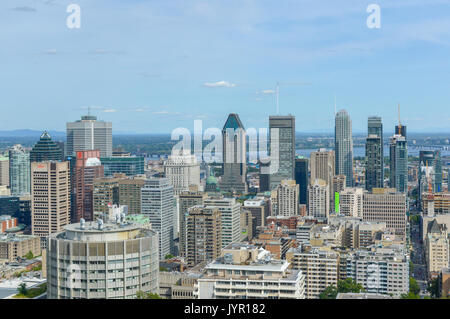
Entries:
{"x":150,"y":66}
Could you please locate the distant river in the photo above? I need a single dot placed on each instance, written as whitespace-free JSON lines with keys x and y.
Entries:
{"x":361,"y":151}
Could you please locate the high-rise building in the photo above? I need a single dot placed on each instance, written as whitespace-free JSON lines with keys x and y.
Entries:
{"x":398,"y":159}
{"x":234,"y":177}
{"x":89,"y":134}
{"x":351,"y":202}
{"x":50,"y":198}
{"x":4,"y":171}
{"x":130,"y":193}
{"x":182,"y":171}
{"x":158,"y":204}
{"x":386,"y":205}
{"x":128,"y":165}
{"x":19,"y":171}
{"x":301,"y":178}
{"x":106,"y":261}
{"x":287,"y":198}
{"x":343,"y":146}
{"x":87,"y":168}
{"x":374,"y":154}
{"x":230,"y":211}
{"x":46,"y":150}
{"x":106,"y":192}
{"x":338,"y":186}
{"x":322,"y":165}
{"x":319,"y":199}
{"x":203,"y":235}
{"x":284,"y":126}
{"x":187,"y":200}
{"x":259,"y":209}
{"x":436,"y":248}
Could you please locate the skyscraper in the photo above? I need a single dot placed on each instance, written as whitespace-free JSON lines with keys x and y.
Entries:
{"x":203,"y":235}
{"x":322,"y":167}
{"x":234,"y":156}
{"x":19,"y":171}
{"x":4,"y":171}
{"x":344,"y":146}
{"x":87,"y":169}
{"x":46,"y":150}
{"x":287,"y":198}
{"x":158,"y":204}
{"x":301,"y":178}
{"x":285,"y":125}
{"x":398,"y":159}
{"x":182,"y":172}
{"x":374,"y":153}
{"x":89,"y":134}
{"x":50,"y":198}
{"x":319,"y":199}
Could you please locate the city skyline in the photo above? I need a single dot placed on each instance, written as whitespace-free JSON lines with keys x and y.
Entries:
{"x":157,"y":65}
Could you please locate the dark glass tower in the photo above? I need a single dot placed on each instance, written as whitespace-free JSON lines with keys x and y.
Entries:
{"x":46,"y":150}
{"x":374,"y":153}
{"x":301,"y":178}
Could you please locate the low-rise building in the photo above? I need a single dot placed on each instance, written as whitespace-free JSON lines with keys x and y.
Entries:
{"x":14,"y":246}
{"x":247,"y":272}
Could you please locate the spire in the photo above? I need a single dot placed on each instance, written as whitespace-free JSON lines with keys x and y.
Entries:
{"x":399,"y":123}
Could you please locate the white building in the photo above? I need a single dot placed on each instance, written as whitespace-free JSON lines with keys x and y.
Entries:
{"x":319,"y":199}
{"x":230,"y":211}
{"x":158,"y":203}
{"x":350,"y":201}
{"x":182,"y":172}
{"x":248,"y":272}
{"x":287,"y":198}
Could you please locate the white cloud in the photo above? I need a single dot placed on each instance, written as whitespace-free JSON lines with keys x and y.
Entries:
{"x":219,"y":84}
{"x":269,"y":91}
{"x":109,"y":110}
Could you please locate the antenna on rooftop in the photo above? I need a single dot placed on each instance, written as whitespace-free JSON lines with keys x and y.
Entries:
{"x":399,"y":123}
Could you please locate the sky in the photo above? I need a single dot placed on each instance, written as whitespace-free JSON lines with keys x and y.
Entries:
{"x":150,"y":66}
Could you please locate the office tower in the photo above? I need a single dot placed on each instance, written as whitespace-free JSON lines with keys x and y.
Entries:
{"x":437,"y":171}
{"x":264,"y":176}
{"x":18,"y":246}
{"x":248,"y":229}
{"x":89,"y":134}
{"x":109,"y":261}
{"x":343,"y":146}
{"x":374,"y":154}
{"x":234,"y":177}
{"x":285,"y":128}
{"x":319,"y":199}
{"x":259,"y":209}
{"x":182,"y":171}
{"x":287,"y":198}
{"x":338,"y":186}
{"x":187,"y":200}
{"x":436,"y":248}
{"x":158,"y":203}
{"x":426,"y":173}
{"x":398,"y":159}
{"x":230,"y":211}
{"x":106,"y":193}
{"x":322,"y":165}
{"x":87,"y":168}
{"x":350,"y":202}
{"x":46,"y":150}
{"x":50,"y":198}
{"x":320,"y":269}
{"x":19,"y":171}
{"x":128,"y":165}
{"x":301,"y":178}
{"x":436,"y":203}
{"x":9,"y":205}
{"x":254,"y":266}
{"x":203,"y":235}
{"x":4,"y":171}
{"x":386,"y":205}
{"x":130,"y":193}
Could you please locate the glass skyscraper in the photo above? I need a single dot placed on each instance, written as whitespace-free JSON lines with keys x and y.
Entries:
{"x":19,"y":171}
{"x":46,"y":150}
{"x":286,"y":148}
{"x":398,"y":163}
{"x":128,"y":165}
{"x":343,"y":146}
{"x":374,"y":154}
{"x":301,"y":178}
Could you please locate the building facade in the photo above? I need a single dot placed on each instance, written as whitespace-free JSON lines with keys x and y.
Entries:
{"x":344,"y":146}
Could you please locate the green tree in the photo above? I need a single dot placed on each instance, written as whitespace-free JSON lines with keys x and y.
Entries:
{"x":29,"y":255}
{"x":433,"y":288}
{"x":22,"y":289}
{"x":410,"y":295}
{"x":329,"y":293}
{"x":413,"y":286}
{"x":169,"y":256}
{"x":144,"y":295}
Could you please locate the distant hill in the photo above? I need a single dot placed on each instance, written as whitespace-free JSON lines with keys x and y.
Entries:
{"x":30,"y":133}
